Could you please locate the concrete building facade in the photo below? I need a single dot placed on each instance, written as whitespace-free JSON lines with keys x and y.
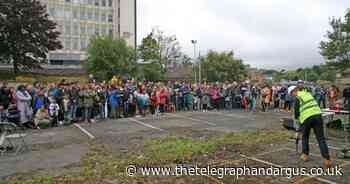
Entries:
{"x":80,"y":20}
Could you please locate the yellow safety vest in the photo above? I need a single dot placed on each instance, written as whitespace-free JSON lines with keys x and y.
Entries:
{"x":308,"y":106}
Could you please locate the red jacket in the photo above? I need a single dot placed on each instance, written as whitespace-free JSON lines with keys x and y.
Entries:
{"x":154,"y":100}
{"x":162,"y":97}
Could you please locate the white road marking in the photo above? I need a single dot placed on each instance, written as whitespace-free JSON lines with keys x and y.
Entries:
{"x":145,"y":124}
{"x":84,"y":131}
{"x":230,"y":115}
{"x":261,"y":161}
{"x":276,"y":165}
{"x":192,"y":119}
{"x":330,"y":147}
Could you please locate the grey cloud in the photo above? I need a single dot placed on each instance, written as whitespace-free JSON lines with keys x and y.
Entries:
{"x":269,"y":33}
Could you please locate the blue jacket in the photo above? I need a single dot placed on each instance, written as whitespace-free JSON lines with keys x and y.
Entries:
{"x":114,"y":98}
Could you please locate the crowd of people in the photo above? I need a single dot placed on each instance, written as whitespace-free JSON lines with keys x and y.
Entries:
{"x":66,"y":102}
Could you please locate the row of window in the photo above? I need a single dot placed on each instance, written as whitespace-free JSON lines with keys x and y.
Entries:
{"x":77,"y":29}
{"x":82,"y":14}
{"x":104,"y":3}
{"x":75,"y":44}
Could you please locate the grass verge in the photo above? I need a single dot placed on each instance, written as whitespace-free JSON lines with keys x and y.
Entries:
{"x":101,"y":166}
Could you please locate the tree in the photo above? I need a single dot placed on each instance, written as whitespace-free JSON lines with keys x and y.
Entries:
{"x":149,"y":52}
{"x":108,"y":57}
{"x":169,"y":48}
{"x":336,"y":48}
{"x":223,"y":66}
{"x":26,"y":33}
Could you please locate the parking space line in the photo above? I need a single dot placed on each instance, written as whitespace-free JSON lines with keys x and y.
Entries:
{"x":84,"y":131}
{"x":230,"y":115}
{"x":318,"y":155}
{"x":261,"y":161}
{"x":280,"y":166}
{"x":274,"y":151}
{"x":192,"y":119}
{"x":330,"y":147}
{"x":145,"y":124}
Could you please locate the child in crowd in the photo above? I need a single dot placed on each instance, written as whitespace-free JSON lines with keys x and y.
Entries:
{"x":53,"y":111}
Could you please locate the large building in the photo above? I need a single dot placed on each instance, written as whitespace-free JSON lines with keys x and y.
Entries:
{"x":80,"y":20}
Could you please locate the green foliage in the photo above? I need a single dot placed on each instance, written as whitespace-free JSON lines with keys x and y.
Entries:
{"x":149,"y":51}
{"x":177,"y":148}
{"x":152,"y":72}
{"x":26,"y":34}
{"x":222,"y":66}
{"x":314,"y":74}
{"x":336,"y":48}
{"x":108,"y":57}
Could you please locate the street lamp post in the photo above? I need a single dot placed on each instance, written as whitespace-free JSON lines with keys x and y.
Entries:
{"x":194,"y":42}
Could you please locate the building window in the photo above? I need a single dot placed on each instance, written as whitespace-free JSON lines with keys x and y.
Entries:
{"x":75,"y":43}
{"x":110,"y":3}
{"x":75,"y":29}
{"x":90,"y":29}
{"x":68,"y":1}
{"x":110,"y":31}
{"x":52,"y":11}
{"x":82,"y":43}
{"x":68,"y":13}
{"x":67,"y":44}
{"x":97,"y":31}
{"x":103,"y":17}
{"x":110,"y":18}
{"x":89,"y":15}
{"x":103,"y":2}
{"x":97,"y":17}
{"x":60,"y":12}
{"x":67,"y":28}
{"x":82,"y":29}
{"x":82,"y":14}
{"x":75,"y":14}
{"x":97,"y":2}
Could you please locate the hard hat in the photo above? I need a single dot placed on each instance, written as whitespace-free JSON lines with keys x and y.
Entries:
{"x":300,"y":82}
{"x":291,"y":88}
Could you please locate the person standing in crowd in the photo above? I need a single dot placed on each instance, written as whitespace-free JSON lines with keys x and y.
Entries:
{"x":114,"y":99}
{"x":332,"y":96}
{"x":162,"y":99}
{"x":320,"y":96}
{"x":24,"y":106}
{"x":73,"y":95}
{"x":266,"y":98}
{"x":215,"y":97}
{"x":205,"y":99}
{"x":253,"y":98}
{"x":154,"y":103}
{"x":142,"y":99}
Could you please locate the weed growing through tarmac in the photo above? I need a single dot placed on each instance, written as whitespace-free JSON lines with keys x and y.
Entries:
{"x":101,"y":165}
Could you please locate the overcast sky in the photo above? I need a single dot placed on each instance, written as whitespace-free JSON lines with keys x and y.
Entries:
{"x":264,"y":33}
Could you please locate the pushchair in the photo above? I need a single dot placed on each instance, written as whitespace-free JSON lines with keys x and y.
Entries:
{"x":12,"y":132}
{"x":13,"y":115}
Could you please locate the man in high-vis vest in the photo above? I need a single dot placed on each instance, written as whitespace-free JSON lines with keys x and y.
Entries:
{"x":308,"y":114}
